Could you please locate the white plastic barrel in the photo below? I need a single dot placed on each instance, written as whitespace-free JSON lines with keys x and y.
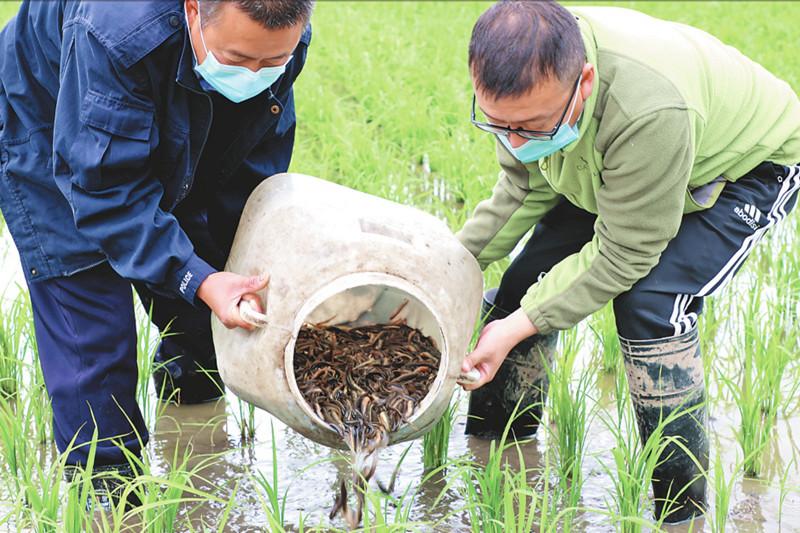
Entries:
{"x":336,"y":254}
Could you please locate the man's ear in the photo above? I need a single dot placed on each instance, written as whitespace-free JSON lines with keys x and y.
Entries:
{"x":191,"y":7}
{"x":587,"y":81}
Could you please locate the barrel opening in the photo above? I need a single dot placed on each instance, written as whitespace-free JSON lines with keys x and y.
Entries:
{"x":365,"y":301}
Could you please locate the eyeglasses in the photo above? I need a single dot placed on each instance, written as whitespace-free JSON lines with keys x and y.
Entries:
{"x":526,"y":134}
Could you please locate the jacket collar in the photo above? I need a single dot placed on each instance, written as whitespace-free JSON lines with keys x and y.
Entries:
{"x":590,"y":45}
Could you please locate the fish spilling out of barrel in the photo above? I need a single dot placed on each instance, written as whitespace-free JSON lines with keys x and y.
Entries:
{"x":364,"y":382}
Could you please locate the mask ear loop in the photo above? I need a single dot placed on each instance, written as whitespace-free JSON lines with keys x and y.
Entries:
{"x":189,"y":28}
{"x":574,"y":101}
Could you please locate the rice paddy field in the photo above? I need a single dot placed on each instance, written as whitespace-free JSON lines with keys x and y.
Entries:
{"x":383,"y":107}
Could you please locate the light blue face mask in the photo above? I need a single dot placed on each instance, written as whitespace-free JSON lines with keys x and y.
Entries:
{"x":533,"y":149}
{"x":234,"y":82}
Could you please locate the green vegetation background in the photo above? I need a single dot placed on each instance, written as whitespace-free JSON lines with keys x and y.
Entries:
{"x":386,"y":85}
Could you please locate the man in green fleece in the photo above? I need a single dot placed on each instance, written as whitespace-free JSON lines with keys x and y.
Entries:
{"x":649,"y":158}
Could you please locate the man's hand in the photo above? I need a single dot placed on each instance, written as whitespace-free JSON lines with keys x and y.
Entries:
{"x":222,"y":292}
{"x":494,"y":343}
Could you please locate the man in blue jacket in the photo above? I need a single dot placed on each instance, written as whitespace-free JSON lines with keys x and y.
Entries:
{"x":131,"y":135}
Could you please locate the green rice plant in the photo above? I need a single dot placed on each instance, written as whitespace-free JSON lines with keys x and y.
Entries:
{"x":754,"y":430}
{"x":23,"y":374}
{"x":570,"y":417}
{"x":568,"y":407}
{"x":152,"y":501}
{"x":273,"y":504}
{"x":757,"y":393}
{"x":499,"y":497}
{"x":57,"y":496}
{"x":384,"y":513}
{"x":15,"y":447}
{"x":485,"y":488}
{"x":723,"y":487}
{"x":161,"y":496}
{"x":436,"y":442}
{"x":709,"y":324}
{"x":246,"y":421}
{"x":13,"y":346}
{"x":146,"y":347}
{"x":269,"y":495}
{"x":604,"y":327}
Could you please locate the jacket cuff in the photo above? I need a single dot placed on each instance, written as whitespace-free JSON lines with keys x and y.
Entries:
{"x":187,"y":278}
{"x":535,"y":315}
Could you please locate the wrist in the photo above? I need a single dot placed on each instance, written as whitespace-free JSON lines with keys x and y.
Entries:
{"x":520,"y":326}
{"x":205,"y":288}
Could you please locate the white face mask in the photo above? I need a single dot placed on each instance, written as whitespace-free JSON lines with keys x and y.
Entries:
{"x":233,"y":82}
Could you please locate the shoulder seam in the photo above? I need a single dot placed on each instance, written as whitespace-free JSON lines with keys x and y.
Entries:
{"x":682,"y":105}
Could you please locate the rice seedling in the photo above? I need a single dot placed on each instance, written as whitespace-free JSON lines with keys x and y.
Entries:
{"x":13,"y":347}
{"x":500,"y":497}
{"x":436,"y":442}
{"x":147,"y":341}
{"x":273,"y":504}
{"x":496,"y":497}
{"x":21,"y":378}
{"x":723,"y":488}
{"x":757,"y":393}
{"x":568,"y":408}
{"x":570,"y":416}
{"x":784,"y":491}
{"x":384,"y":513}
{"x":246,"y":420}
{"x":15,"y":447}
{"x":754,"y":432}
{"x":709,"y":324}
{"x":604,"y":327}
{"x":153,"y":501}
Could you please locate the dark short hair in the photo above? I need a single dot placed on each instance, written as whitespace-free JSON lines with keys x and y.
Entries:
{"x":272,"y":14}
{"x":515,"y":44}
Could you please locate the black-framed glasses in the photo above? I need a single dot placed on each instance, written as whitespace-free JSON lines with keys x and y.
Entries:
{"x":526,"y":134}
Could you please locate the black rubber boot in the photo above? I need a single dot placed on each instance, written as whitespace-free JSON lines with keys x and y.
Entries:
{"x":108,"y":485}
{"x":184,"y":379}
{"x":522,"y":375}
{"x":665,"y":375}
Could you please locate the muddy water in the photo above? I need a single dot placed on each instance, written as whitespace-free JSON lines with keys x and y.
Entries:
{"x":754,"y":504}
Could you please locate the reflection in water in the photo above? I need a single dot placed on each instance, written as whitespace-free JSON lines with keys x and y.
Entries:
{"x":308,"y":472}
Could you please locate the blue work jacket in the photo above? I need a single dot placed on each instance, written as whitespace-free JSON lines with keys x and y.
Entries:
{"x":102,"y":126}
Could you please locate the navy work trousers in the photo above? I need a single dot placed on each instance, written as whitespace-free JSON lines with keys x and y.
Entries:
{"x":708,"y":250}
{"x":86,"y":338}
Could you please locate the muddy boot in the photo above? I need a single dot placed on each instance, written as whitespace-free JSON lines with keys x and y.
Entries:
{"x":665,"y":375}
{"x":185,"y":379}
{"x":522,"y":375}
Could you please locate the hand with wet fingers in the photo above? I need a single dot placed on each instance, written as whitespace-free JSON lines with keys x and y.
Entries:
{"x":494,"y":343}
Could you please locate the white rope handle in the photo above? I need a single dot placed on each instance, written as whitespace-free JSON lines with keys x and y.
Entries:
{"x":250,"y":315}
{"x":468,"y":378}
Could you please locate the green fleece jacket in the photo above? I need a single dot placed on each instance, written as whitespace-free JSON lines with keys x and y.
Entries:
{"x":674,"y":115}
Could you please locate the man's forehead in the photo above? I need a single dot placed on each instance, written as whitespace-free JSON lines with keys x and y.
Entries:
{"x":528,"y":107}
